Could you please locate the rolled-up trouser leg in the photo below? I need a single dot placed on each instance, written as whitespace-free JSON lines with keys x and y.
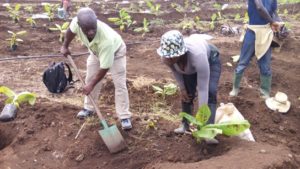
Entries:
{"x":118,"y":71}
{"x":93,"y":66}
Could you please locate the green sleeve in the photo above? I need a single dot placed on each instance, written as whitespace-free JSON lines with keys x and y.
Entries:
{"x":74,"y":27}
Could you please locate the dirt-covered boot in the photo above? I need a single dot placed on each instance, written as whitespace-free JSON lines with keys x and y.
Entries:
{"x":265,"y":86}
{"x":184,"y":127}
{"x":236,"y":84}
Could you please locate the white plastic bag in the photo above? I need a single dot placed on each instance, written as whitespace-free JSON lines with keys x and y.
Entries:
{"x":228,"y":112}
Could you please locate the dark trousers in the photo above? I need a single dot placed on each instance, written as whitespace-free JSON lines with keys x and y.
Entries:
{"x":190,"y":82}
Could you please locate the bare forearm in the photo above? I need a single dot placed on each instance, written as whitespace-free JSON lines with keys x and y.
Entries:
{"x":262,"y":11}
{"x":98,"y":77}
{"x":69,"y":36}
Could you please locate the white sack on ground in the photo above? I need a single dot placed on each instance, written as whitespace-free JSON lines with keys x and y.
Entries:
{"x":228,"y":112}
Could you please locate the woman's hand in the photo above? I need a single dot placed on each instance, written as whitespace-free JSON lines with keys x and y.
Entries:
{"x":184,"y":96}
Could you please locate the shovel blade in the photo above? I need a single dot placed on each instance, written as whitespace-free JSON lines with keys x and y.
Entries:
{"x":113,"y":139}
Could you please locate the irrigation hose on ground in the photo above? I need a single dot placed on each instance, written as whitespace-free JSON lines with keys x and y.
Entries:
{"x":60,"y":55}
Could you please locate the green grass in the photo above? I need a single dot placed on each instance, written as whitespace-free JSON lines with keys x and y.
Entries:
{"x":288,"y":1}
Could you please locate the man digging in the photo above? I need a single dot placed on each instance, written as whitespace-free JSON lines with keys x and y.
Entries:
{"x":107,"y":53}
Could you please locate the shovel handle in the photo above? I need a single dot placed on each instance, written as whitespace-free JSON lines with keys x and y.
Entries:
{"x":82,"y":82}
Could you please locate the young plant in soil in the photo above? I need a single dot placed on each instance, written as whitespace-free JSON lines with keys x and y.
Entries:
{"x":210,"y":131}
{"x":219,"y":9}
{"x":145,"y":29}
{"x":189,"y":24}
{"x":124,"y":20}
{"x":177,"y":7}
{"x":31,"y":21}
{"x":212,"y":22}
{"x":14,"y":13}
{"x":14,"y":40}
{"x":13,"y":102}
{"x":29,"y":9}
{"x":186,"y":7}
{"x":154,"y":8}
{"x":167,"y":90}
{"x":62,"y":28}
{"x":50,"y":9}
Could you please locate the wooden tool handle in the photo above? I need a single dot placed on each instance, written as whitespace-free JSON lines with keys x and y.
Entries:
{"x":83,"y":84}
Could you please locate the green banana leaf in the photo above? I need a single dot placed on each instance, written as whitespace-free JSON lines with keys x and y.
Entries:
{"x":232,"y":128}
{"x":25,"y":97}
{"x":113,"y":19}
{"x":170,"y":89}
{"x":65,"y":25}
{"x":21,"y":32}
{"x":191,"y":119}
{"x":203,"y":114}
{"x":7,"y":91}
{"x":208,"y":133}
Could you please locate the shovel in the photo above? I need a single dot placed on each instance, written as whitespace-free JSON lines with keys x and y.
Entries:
{"x":110,"y":135}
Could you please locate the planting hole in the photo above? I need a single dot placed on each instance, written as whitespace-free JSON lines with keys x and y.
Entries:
{"x":6,"y":135}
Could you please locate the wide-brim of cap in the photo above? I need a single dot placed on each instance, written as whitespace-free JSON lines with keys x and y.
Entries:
{"x":277,"y":106}
{"x":180,"y":53}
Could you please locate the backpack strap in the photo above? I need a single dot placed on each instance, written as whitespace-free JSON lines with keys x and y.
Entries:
{"x":70,"y":77}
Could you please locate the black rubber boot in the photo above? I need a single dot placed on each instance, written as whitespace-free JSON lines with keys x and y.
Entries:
{"x":212,"y":108}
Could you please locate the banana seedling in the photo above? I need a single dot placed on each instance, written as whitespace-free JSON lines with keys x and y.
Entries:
{"x":212,"y":22}
{"x":13,"y":102}
{"x":29,"y":9}
{"x":210,"y":131}
{"x":62,"y":28}
{"x":49,"y":9}
{"x":178,"y":7}
{"x":14,"y":40}
{"x":167,"y":90}
{"x":124,"y":20}
{"x":155,"y":8}
{"x":14,"y":13}
{"x":144,"y":29}
{"x":31,"y":21}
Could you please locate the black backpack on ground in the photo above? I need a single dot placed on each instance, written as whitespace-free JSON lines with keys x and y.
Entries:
{"x":55,"y":79}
